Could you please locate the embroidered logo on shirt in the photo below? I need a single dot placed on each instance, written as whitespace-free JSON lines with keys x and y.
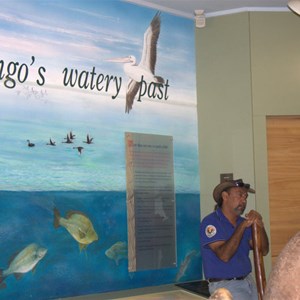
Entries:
{"x":210,"y":230}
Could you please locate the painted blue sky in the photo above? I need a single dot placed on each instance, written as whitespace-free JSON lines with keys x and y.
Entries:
{"x":83,"y":35}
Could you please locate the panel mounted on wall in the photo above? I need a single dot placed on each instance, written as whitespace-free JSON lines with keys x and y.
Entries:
{"x":150,"y":202}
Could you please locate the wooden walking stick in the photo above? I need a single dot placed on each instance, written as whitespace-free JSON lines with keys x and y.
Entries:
{"x":260,"y":274}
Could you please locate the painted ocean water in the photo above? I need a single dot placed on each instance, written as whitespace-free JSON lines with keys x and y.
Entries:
{"x":27,"y":217}
{"x":101,"y":165}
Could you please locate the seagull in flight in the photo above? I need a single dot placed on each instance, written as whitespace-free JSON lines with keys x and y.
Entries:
{"x":146,"y":67}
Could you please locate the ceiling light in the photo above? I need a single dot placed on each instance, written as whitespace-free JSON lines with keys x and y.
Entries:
{"x":294,"y":5}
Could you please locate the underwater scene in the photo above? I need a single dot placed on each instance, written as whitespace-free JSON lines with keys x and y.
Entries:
{"x":44,"y":256}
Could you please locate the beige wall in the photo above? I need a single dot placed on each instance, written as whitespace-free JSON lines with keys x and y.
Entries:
{"x":248,"y":66}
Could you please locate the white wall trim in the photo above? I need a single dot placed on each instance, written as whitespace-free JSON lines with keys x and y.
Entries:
{"x":246,"y":9}
{"x":208,"y":15}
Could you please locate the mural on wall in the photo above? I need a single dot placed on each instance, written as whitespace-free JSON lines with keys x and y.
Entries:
{"x":64,"y":108}
{"x":142,"y":79}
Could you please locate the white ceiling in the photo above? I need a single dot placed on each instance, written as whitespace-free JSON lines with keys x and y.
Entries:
{"x":186,"y":8}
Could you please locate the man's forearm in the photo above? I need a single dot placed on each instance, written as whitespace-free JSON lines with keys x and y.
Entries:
{"x":228,"y":249}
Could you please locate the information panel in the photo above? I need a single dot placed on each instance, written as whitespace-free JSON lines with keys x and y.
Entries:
{"x":150,"y":201}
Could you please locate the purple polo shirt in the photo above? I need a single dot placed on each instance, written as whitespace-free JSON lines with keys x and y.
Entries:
{"x":216,"y":227}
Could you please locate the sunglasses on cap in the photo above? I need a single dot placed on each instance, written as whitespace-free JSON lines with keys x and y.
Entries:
{"x":240,"y":183}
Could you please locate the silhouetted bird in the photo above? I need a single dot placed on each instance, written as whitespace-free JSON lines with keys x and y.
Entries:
{"x":51,"y":143}
{"x":30,"y":144}
{"x":88,"y":140}
{"x":68,"y":140}
{"x":80,"y":149}
{"x":72,"y":136}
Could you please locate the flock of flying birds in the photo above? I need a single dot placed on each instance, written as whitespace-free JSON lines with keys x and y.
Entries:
{"x":69,"y":139}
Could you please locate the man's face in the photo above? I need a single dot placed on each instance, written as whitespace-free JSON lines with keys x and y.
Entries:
{"x":237,"y":199}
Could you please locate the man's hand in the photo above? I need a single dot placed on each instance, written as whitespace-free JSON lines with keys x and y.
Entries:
{"x":254,"y":217}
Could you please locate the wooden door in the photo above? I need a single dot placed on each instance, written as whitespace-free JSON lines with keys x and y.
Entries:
{"x":283,"y":139}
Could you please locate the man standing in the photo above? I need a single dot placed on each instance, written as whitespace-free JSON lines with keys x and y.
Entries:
{"x":226,"y":240}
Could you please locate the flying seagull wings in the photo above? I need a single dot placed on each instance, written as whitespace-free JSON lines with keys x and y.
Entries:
{"x":151,"y":36}
{"x":132,"y":90}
